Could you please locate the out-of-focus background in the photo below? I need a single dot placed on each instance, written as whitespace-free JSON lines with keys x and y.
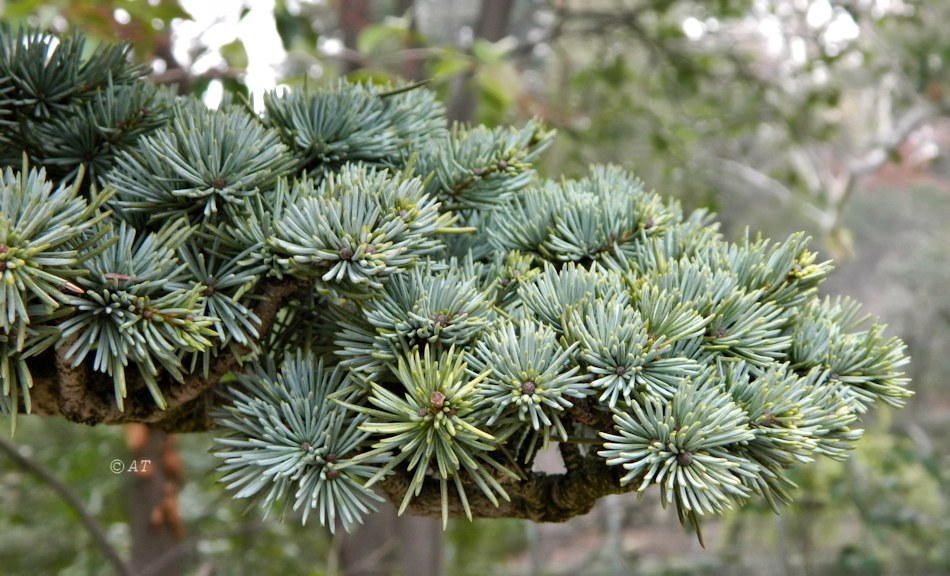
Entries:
{"x":827,"y":116}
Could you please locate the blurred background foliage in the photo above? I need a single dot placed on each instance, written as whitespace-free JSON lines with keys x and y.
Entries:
{"x":823,"y":115}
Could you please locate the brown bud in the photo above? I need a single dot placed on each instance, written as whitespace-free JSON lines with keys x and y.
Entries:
{"x":345,"y":253}
{"x":437,"y":399}
{"x":684,"y":458}
{"x":528,"y":388}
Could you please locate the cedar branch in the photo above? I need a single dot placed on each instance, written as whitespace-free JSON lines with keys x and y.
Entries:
{"x":542,"y":497}
{"x":85,"y":396}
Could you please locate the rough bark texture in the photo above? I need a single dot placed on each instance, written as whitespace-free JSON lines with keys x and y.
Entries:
{"x":542,"y":497}
{"x":82,"y":395}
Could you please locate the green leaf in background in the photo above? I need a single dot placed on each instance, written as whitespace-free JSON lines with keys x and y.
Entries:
{"x":235,"y":55}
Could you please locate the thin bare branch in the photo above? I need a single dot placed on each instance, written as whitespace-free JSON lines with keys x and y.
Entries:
{"x":880,"y":151}
{"x":766,"y":183}
{"x":72,"y":500}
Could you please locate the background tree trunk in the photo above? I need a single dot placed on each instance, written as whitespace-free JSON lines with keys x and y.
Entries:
{"x":354,"y":16}
{"x":421,"y":545}
{"x":412,"y":68}
{"x":155,"y":478}
{"x":492,"y":25}
{"x":388,"y":544}
{"x":370,"y":550}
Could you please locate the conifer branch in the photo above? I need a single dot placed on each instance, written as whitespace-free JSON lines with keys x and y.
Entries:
{"x":405,"y":307}
{"x":570,"y":455}
{"x":542,"y":497}
{"x":84,"y":396}
{"x":583,"y":412}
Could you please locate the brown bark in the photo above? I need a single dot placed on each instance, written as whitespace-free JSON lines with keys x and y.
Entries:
{"x":542,"y":497}
{"x":153,"y":502}
{"x":82,"y":395}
